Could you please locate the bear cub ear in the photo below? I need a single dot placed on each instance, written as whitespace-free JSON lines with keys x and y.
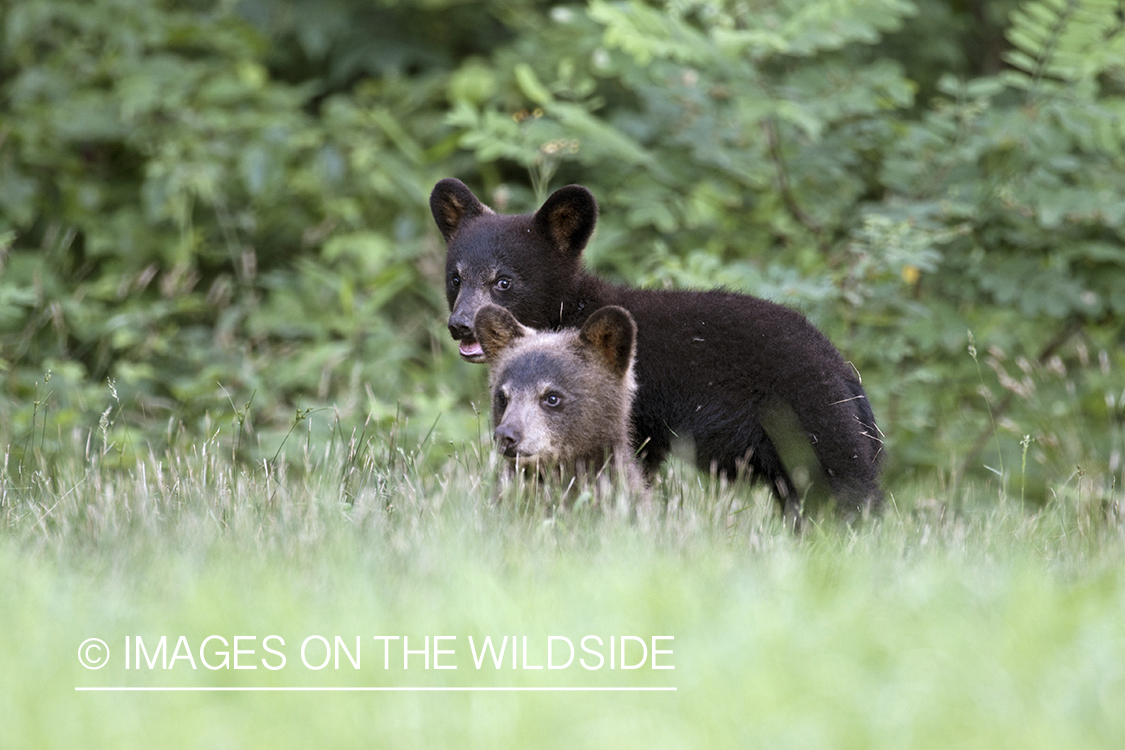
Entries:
{"x":496,"y":328}
{"x":567,"y":219}
{"x":451,"y":203}
{"x":612,"y":334}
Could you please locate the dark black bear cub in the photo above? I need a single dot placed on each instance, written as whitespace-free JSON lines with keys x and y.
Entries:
{"x":561,"y":399}
{"x":753,"y":385}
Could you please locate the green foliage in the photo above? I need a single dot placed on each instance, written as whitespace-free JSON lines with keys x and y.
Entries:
{"x":212,"y":204}
{"x":187,"y":228}
{"x":1025,"y":170}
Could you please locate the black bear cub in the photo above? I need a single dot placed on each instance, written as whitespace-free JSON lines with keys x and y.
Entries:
{"x":752,"y":386}
{"x":561,"y":399}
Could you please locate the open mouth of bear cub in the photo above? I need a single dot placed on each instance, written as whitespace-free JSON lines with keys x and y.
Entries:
{"x":470,"y":350}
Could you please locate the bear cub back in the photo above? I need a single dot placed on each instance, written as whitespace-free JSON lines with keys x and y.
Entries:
{"x":561,"y":400}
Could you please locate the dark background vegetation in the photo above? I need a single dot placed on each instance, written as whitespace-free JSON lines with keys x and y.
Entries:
{"x":213,"y":214}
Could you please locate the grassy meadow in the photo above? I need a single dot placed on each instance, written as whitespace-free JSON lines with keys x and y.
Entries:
{"x":961,"y":618}
{"x":220,"y":210}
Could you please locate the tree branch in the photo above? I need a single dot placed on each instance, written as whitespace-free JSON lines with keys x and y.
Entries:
{"x":773,"y":142}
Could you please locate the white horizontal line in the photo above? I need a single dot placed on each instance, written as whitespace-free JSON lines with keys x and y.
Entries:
{"x":408,"y":689}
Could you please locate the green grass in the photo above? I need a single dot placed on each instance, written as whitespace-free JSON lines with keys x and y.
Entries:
{"x":959,"y":619}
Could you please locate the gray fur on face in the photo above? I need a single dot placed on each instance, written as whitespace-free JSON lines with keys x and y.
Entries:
{"x":560,"y":397}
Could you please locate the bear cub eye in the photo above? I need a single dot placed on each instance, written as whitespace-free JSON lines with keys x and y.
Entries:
{"x":501,"y":400}
{"x":455,"y":280}
{"x":552,"y":400}
{"x":503,"y":283}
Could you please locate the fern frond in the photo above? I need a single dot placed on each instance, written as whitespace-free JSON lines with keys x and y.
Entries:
{"x":1068,"y":41}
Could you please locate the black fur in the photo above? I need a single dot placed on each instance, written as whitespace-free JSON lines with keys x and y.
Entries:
{"x":752,"y":384}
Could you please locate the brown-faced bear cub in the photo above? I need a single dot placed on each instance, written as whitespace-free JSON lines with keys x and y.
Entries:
{"x":561,"y":399}
{"x":754,"y":387}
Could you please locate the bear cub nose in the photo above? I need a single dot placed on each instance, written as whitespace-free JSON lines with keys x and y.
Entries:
{"x":507,"y":438}
{"x":460,"y":328}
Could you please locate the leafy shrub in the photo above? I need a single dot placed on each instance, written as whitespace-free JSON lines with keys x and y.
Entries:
{"x":220,"y":207}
